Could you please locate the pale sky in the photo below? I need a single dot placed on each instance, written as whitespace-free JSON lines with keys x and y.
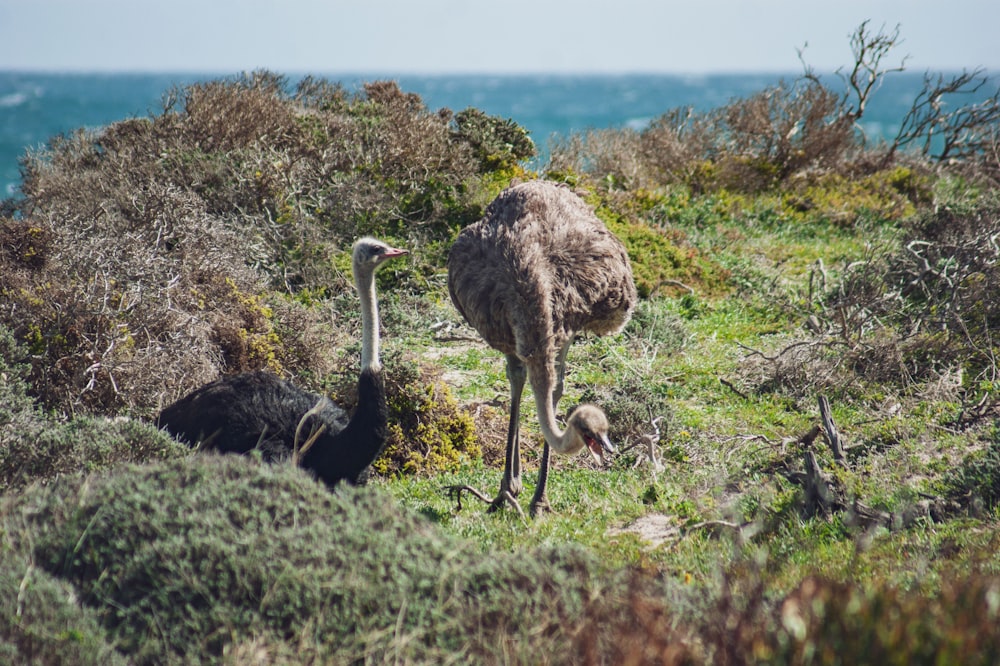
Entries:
{"x":453,"y":36}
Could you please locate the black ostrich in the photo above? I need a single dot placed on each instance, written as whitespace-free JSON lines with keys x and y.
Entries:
{"x":260,"y":411}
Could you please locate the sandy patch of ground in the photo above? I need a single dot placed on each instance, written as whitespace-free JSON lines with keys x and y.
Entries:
{"x":655,"y":528}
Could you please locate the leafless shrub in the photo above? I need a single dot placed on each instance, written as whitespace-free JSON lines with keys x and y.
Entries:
{"x":227,"y":115}
{"x":749,"y":144}
{"x":788,"y":128}
{"x":616,"y":155}
{"x":150,"y":256}
{"x":868,"y":71}
{"x":675,"y":143}
{"x":963,"y":135}
{"x":800,"y":369}
{"x":756,"y":143}
{"x":967,"y":134}
{"x":921,"y":317}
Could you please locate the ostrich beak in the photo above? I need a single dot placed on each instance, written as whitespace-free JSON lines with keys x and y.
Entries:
{"x":599,"y":446}
{"x":394,"y":252}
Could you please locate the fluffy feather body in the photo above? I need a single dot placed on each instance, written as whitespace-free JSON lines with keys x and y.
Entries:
{"x":539,"y":268}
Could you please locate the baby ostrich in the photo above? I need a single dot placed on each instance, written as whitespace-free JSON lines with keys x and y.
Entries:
{"x":260,"y":411}
{"x":536,"y":270}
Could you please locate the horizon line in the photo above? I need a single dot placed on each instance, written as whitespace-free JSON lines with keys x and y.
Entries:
{"x":383,"y":73}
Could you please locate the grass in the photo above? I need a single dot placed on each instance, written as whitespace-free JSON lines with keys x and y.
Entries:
{"x":723,"y":439}
{"x":719,"y":518}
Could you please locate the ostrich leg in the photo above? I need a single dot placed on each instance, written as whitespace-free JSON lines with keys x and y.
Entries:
{"x":510,"y":484}
{"x":539,"y":502}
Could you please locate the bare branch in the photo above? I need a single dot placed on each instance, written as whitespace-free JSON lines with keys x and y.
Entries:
{"x":867,"y":74}
{"x":963,"y":133}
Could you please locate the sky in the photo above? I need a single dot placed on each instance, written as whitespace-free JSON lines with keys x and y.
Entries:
{"x":495,"y":36}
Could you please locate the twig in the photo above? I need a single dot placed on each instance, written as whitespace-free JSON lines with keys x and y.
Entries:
{"x":800,"y":343}
{"x":729,"y":385}
{"x":832,"y":434}
{"x":650,"y":441}
{"x":715,"y":523}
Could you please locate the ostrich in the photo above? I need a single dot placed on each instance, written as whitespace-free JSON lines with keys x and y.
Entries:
{"x":536,"y":270}
{"x":260,"y":411}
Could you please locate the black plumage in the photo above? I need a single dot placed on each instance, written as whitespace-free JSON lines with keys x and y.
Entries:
{"x":259,"y":411}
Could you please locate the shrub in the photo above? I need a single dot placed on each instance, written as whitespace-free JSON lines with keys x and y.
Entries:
{"x":936,"y":291}
{"x":498,"y":144}
{"x":42,"y":622}
{"x":151,"y":256}
{"x":219,"y":557}
{"x":36,"y":448}
{"x":43,"y":450}
{"x":748,"y":145}
{"x":198,"y":558}
{"x":428,"y":432}
{"x":662,"y":261}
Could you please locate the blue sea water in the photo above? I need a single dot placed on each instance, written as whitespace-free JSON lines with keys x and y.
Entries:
{"x":35,"y":107}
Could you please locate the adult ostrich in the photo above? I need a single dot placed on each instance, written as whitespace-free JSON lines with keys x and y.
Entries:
{"x":260,"y":411}
{"x":536,"y":270}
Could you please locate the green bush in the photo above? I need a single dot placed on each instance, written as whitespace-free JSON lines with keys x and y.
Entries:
{"x":195,"y":559}
{"x":42,"y":622}
{"x":499,"y":144}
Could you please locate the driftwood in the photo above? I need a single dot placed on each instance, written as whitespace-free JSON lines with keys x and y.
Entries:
{"x":832,"y":433}
{"x":824,"y":496}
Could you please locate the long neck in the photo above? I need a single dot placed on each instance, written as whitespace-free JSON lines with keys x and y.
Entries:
{"x":365,"y":282}
{"x":542,"y":384}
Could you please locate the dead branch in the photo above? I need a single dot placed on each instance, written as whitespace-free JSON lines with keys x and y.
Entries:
{"x":868,"y":74}
{"x":832,"y":434}
{"x":732,"y":387}
{"x":962,"y":133}
{"x":820,"y":498}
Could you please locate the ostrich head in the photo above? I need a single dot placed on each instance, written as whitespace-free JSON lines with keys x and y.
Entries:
{"x":369,"y":253}
{"x":588,"y":426}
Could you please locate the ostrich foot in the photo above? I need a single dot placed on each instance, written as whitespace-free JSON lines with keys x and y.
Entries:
{"x":540,"y":505}
{"x":496,"y":503}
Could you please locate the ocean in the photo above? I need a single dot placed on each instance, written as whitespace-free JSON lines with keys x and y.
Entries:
{"x":34,"y":107}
